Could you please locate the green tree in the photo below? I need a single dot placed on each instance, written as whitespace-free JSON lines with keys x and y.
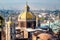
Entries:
{"x":1,"y":21}
{"x":42,"y":18}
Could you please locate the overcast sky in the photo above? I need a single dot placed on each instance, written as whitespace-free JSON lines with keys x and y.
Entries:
{"x":34,"y":4}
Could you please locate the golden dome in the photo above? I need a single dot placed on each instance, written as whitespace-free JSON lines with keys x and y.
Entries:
{"x":26,"y":14}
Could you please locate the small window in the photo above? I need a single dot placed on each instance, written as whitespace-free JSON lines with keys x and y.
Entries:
{"x":28,"y":24}
{"x":38,"y":38}
{"x":22,"y":24}
{"x":11,"y":37}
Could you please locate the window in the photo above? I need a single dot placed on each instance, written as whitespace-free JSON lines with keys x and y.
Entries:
{"x":11,"y":37}
{"x":22,"y":24}
{"x":28,"y":24}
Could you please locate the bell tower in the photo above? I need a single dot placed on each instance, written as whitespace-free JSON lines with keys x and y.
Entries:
{"x":26,"y":20}
{"x":10,"y":29}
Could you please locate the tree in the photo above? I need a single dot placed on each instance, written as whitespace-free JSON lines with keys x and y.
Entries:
{"x":1,"y":21}
{"x":42,"y":18}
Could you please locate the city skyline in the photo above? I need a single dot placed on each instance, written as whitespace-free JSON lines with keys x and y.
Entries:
{"x":34,"y":4}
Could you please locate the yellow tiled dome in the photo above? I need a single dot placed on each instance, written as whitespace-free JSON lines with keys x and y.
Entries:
{"x":26,"y":14}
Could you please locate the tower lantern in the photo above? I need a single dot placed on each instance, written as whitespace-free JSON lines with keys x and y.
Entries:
{"x":27,"y":8}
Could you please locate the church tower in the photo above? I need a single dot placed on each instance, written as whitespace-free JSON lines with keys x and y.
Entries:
{"x":10,"y":29}
{"x":27,"y":19}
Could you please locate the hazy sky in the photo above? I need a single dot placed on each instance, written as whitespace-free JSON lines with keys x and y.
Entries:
{"x":34,"y":4}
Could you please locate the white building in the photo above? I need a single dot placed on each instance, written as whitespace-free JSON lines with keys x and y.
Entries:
{"x":10,"y":29}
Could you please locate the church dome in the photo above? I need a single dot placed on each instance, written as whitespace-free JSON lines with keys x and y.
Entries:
{"x":26,"y":14}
